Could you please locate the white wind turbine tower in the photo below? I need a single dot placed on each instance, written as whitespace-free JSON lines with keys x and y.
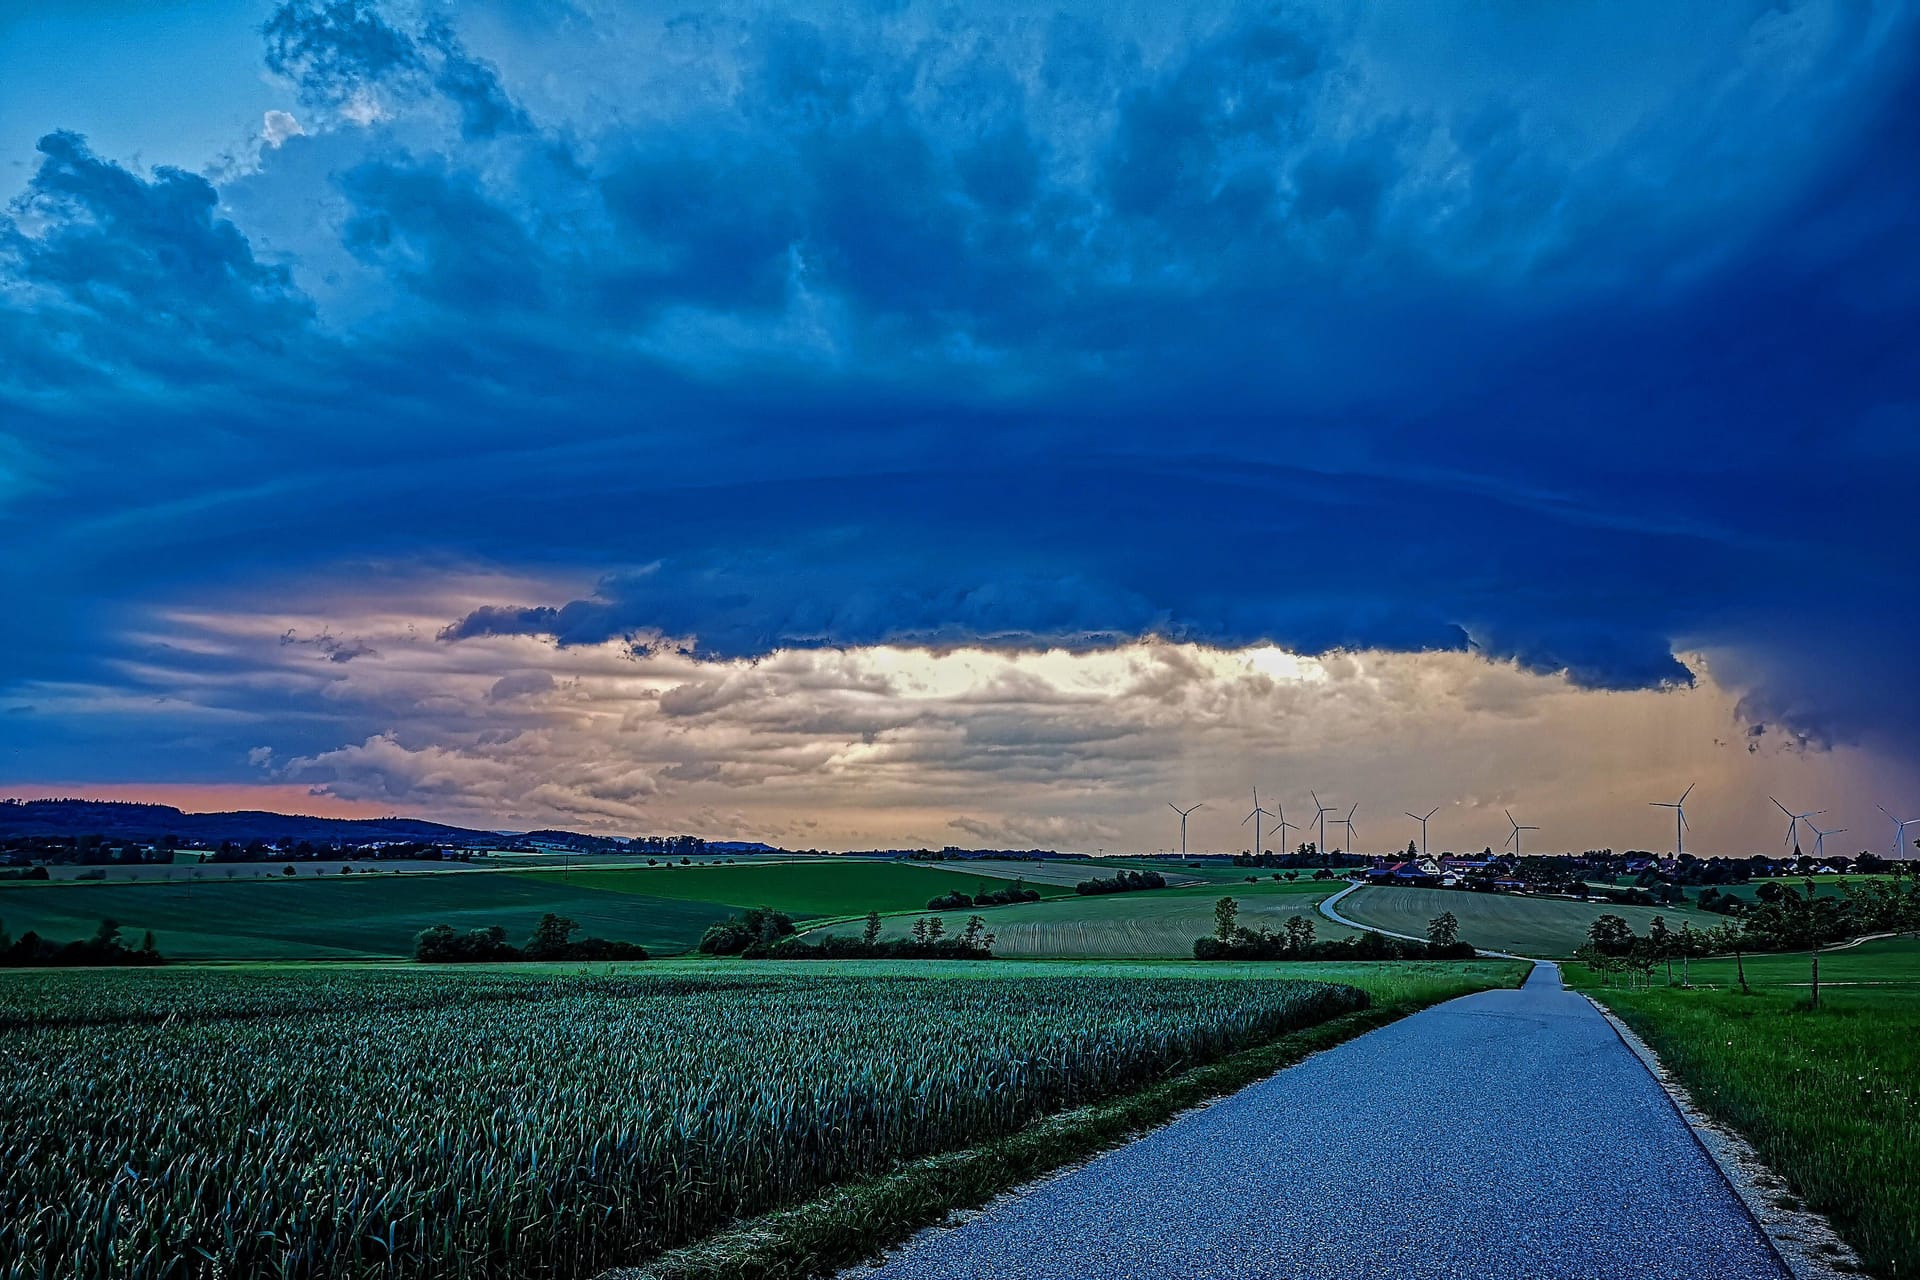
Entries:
{"x":1514,"y":839}
{"x":1347,"y":822}
{"x":1900,"y":826}
{"x":1254,"y":818}
{"x":1820,"y":840}
{"x":1423,"y":826}
{"x":1183,"y":822}
{"x":1285,"y":827}
{"x":1793,"y":822}
{"x":1679,"y":808}
{"x":1320,"y":813}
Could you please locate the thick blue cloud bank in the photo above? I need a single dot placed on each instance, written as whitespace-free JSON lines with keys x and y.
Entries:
{"x":1582,"y":339}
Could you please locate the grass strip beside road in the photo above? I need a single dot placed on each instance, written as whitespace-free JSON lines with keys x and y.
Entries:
{"x":851,"y":1223}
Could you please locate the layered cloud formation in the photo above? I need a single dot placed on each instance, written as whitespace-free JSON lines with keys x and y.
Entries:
{"x":1575,"y":340}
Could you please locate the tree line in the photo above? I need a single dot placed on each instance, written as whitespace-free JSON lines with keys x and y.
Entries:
{"x":1295,"y":940}
{"x":552,"y":939}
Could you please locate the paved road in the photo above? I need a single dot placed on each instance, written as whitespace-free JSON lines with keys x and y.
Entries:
{"x":1505,"y":1134}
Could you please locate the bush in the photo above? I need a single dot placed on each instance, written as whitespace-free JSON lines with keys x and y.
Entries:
{"x":955,"y":901}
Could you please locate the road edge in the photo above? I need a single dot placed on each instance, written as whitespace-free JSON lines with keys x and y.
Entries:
{"x":1804,"y":1241}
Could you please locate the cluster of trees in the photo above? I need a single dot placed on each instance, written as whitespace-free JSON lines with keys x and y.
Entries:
{"x":1294,"y":940}
{"x":552,"y":939}
{"x":958,"y":901}
{"x":929,"y":941}
{"x":1781,"y":918}
{"x":1307,"y":855}
{"x":105,"y":947}
{"x":954,"y":853}
{"x":751,"y":933}
{"x":1124,"y":882}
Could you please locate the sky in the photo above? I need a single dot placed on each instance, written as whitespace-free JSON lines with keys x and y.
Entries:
{"x":861,"y":425}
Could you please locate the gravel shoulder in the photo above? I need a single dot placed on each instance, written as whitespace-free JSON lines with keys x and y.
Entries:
{"x":1508,"y":1133}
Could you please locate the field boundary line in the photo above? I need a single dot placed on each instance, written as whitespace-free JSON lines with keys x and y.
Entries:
{"x":1804,"y":1241}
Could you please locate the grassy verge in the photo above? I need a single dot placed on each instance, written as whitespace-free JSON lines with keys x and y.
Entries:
{"x":1828,"y":1097}
{"x":850,"y":1223}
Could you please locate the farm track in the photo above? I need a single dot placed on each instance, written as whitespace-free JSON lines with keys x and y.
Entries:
{"x":1457,"y":1143}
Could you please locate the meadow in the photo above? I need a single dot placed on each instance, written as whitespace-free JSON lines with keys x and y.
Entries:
{"x":1546,"y":927}
{"x":1160,"y":923}
{"x":371,"y":914}
{"x":322,"y":1121}
{"x":833,"y":887}
{"x":1828,"y":1097}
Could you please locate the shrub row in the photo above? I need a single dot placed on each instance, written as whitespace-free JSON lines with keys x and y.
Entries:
{"x":1125,"y":882}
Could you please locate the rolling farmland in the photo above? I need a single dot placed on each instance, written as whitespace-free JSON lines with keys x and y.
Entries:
{"x":376,"y":915}
{"x":1500,"y":922}
{"x":826,"y":887}
{"x":1153,"y":923}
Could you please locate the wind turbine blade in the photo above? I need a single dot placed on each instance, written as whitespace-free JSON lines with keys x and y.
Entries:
{"x":1882,"y":808}
{"x":1688,"y":792}
{"x":1782,"y":808}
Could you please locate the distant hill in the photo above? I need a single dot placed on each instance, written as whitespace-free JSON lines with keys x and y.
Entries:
{"x":151,"y":822}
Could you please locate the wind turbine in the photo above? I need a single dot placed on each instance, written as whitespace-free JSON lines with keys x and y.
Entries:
{"x":1517,"y":829}
{"x":1347,"y":822}
{"x":1254,"y":818}
{"x":1423,"y":826}
{"x":1285,"y":827}
{"x":1820,"y":840}
{"x":1320,"y":812}
{"x":1900,"y":826}
{"x":1183,"y":823}
{"x":1794,"y":820}
{"x":1679,"y":808}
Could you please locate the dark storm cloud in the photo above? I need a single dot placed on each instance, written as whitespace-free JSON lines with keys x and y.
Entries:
{"x":931,"y":332}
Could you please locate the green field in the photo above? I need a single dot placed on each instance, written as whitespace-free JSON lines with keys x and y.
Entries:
{"x":1828,"y":1097}
{"x":377,"y":915}
{"x":1525,"y":926}
{"x":439,"y":1125}
{"x":1151,"y":924}
{"x":825,"y":888}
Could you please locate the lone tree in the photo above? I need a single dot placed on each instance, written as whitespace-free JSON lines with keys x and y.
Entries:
{"x":1732,"y":936}
{"x":1226,"y":919}
{"x":871,"y":934}
{"x":1443,"y":930}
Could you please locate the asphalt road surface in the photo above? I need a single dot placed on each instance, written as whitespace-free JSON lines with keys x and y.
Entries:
{"x":1504,"y":1134}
